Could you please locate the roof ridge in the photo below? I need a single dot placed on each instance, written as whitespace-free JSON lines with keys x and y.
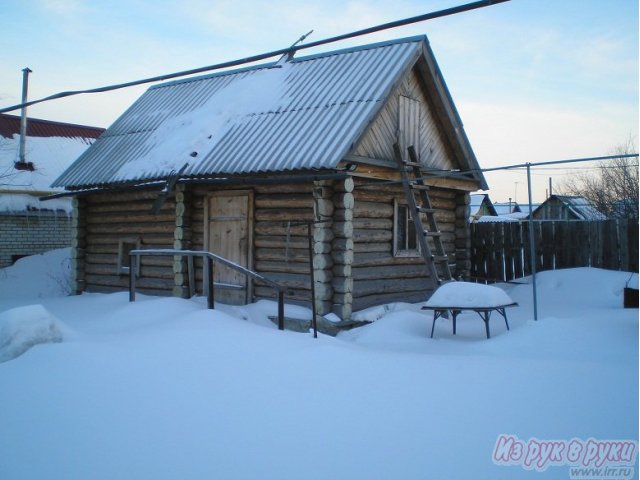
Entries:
{"x":314,"y":56}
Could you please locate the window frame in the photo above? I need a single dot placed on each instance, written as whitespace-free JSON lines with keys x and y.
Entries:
{"x":399,"y":206}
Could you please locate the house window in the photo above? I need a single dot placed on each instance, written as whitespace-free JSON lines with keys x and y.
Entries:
{"x":405,"y":239}
{"x":124,"y":259}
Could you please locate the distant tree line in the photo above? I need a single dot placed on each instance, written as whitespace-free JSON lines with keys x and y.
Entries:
{"x":613,"y":187}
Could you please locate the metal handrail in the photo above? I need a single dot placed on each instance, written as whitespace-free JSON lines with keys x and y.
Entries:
{"x":208,"y":259}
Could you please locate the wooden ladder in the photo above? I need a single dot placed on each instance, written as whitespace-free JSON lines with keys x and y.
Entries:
{"x":412,"y":180}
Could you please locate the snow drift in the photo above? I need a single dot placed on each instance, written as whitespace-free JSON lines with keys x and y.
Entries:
{"x":23,"y":327}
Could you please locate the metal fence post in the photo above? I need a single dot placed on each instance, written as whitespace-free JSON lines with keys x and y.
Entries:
{"x":532,"y":246}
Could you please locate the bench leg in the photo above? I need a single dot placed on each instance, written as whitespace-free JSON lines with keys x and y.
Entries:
{"x":433,"y":325}
{"x":486,"y":317}
{"x":454,"y":314}
{"x":502,"y":312}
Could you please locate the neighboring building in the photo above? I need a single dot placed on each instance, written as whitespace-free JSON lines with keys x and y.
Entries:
{"x":27,"y":224}
{"x":626,"y":208}
{"x":481,"y":206}
{"x":507,"y":208}
{"x":260,"y":151}
{"x":563,"y":207}
{"x":497,"y":219}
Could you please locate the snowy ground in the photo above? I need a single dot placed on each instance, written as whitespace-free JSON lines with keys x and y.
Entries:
{"x":163,"y":388}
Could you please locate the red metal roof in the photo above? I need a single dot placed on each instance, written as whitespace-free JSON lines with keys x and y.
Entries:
{"x":10,"y":126}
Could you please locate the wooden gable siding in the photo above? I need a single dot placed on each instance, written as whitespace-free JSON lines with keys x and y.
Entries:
{"x":378,"y":275}
{"x":554,"y":209}
{"x":108,"y":218}
{"x":378,"y":140}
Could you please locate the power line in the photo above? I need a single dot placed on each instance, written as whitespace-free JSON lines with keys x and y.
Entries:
{"x":574,"y":170}
{"x":255,"y":58}
{"x":441,"y":173}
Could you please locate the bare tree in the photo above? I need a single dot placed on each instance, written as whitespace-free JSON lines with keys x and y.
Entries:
{"x":613,"y":187}
{"x":7,"y":151}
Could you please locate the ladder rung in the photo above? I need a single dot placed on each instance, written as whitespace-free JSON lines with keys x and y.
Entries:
{"x":426,"y":210}
{"x":413,"y":164}
{"x":432,"y":234}
{"x":418,"y":186}
{"x":440,"y":258}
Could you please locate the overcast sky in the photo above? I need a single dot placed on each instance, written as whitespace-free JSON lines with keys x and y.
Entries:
{"x":533,"y":80}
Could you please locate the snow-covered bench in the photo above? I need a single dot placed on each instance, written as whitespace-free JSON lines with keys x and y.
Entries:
{"x":458,"y":297}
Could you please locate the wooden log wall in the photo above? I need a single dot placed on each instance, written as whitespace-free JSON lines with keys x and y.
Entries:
{"x":353,"y":261}
{"x":323,"y":236}
{"x":182,"y":235}
{"x":78,"y":245}
{"x":462,"y":236}
{"x":112,"y":217}
{"x":379,"y":276}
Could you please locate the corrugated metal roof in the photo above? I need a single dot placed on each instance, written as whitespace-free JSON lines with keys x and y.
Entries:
{"x":326,"y":103}
{"x":36,"y":127}
{"x":581,"y":207}
{"x":307,"y":114}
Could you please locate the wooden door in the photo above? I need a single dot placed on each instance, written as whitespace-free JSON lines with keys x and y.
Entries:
{"x":228,"y":230}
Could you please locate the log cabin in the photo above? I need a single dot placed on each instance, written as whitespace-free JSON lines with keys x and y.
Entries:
{"x":284,"y":168}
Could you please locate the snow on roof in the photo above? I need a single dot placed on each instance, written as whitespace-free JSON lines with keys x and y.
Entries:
{"x":19,"y":202}
{"x":49,"y":155}
{"x":193,"y":134}
{"x":504,"y":208}
{"x":51,"y":147}
{"x":498,"y":219}
{"x":517,"y":215}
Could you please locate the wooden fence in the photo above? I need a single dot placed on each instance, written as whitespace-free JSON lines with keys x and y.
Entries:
{"x":500,"y":251}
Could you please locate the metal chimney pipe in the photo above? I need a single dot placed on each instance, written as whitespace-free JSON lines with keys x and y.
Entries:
{"x":23,"y":117}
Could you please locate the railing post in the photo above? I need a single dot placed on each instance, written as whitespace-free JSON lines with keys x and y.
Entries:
{"x":132,"y":278}
{"x":314,"y":323}
{"x":192,"y":276}
{"x":210,"y":299}
{"x":280,"y":310}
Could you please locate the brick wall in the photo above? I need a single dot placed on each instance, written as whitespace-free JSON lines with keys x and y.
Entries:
{"x":31,"y":232}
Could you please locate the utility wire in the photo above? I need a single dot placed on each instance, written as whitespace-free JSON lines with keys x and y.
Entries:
{"x":440,"y":173}
{"x":574,"y":170}
{"x":289,"y":51}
